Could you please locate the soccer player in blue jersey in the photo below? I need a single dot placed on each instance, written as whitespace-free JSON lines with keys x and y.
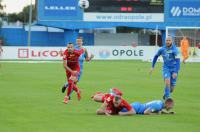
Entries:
{"x":153,"y":107}
{"x":83,"y":57}
{"x":171,"y":65}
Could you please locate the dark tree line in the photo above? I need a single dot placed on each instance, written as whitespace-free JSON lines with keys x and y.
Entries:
{"x":22,"y":16}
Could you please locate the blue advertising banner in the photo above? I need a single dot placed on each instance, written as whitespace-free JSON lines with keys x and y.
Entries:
{"x":59,"y":10}
{"x":70,"y":10}
{"x":182,"y":10}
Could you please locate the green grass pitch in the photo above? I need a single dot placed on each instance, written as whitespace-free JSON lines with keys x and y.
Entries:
{"x":31,"y":98}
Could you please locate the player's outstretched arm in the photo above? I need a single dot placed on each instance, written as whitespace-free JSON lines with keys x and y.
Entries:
{"x":149,"y":111}
{"x":87,"y":57}
{"x":166,"y":112}
{"x":155,"y":58}
{"x":153,"y":63}
{"x":102,"y":110}
{"x":130,"y":112}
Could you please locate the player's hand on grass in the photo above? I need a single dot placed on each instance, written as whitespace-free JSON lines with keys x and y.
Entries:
{"x":172,"y":112}
{"x":167,"y":112}
{"x":120,"y":113}
{"x":107,"y":112}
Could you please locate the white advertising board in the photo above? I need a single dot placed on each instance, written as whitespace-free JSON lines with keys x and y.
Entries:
{"x":100,"y":53}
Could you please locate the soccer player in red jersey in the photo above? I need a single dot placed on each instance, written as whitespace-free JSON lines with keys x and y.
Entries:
{"x":71,"y":65}
{"x":113,"y":106}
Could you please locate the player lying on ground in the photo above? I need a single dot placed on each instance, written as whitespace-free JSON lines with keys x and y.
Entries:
{"x":83,"y":57}
{"x":156,"y":106}
{"x":171,"y":65}
{"x":113,"y":105}
{"x":100,"y":97}
{"x":71,"y":65}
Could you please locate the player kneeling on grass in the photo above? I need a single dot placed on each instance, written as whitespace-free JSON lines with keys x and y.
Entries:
{"x":153,"y":107}
{"x":113,"y":105}
{"x":100,"y":97}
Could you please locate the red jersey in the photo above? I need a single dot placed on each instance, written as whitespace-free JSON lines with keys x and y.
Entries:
{"x":105,"y":96}
{"x":72,"y":58}
{"x":115,"y":110}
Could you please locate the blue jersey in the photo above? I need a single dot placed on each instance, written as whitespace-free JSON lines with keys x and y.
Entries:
{"x":153,"y":106}
{"x":171,"y":58}
{"x":81,"y":59}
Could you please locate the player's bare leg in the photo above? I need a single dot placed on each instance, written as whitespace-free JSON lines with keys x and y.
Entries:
{"x":74,"y":79}
{"x":69,"y":90}
{"x":100,"y":112}
{"x":78,"y":91}
{"x":98,"y":97}
{"x":96,"y":94}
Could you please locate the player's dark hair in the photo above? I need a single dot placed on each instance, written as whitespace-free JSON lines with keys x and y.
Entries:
{"x":169,"y":100}
{"x":117,"y":98}
{"x":70,"y":43}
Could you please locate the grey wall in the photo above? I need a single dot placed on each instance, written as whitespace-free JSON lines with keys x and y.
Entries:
{"x":118,"y":39}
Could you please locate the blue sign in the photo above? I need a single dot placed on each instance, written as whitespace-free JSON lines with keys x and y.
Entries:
{"x":185,"y":10}
{"x":59,"y":10}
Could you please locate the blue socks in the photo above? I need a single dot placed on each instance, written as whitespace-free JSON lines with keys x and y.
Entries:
{"x":167,"y":92}
{"x":66,"y":84}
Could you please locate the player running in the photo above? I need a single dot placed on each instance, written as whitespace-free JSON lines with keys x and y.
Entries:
{"x":83,"y":57}
{"x":171,"y":65}
{"x":153,"y":107}
{"x":71,"y":65}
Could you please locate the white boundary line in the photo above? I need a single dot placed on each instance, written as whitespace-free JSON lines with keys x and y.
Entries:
{"x":24,"y":61}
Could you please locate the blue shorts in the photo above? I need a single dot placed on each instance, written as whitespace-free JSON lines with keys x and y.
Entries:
{"x":79,"y":75}
{"x":138,"y":107}
{"x":167,"y":73}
